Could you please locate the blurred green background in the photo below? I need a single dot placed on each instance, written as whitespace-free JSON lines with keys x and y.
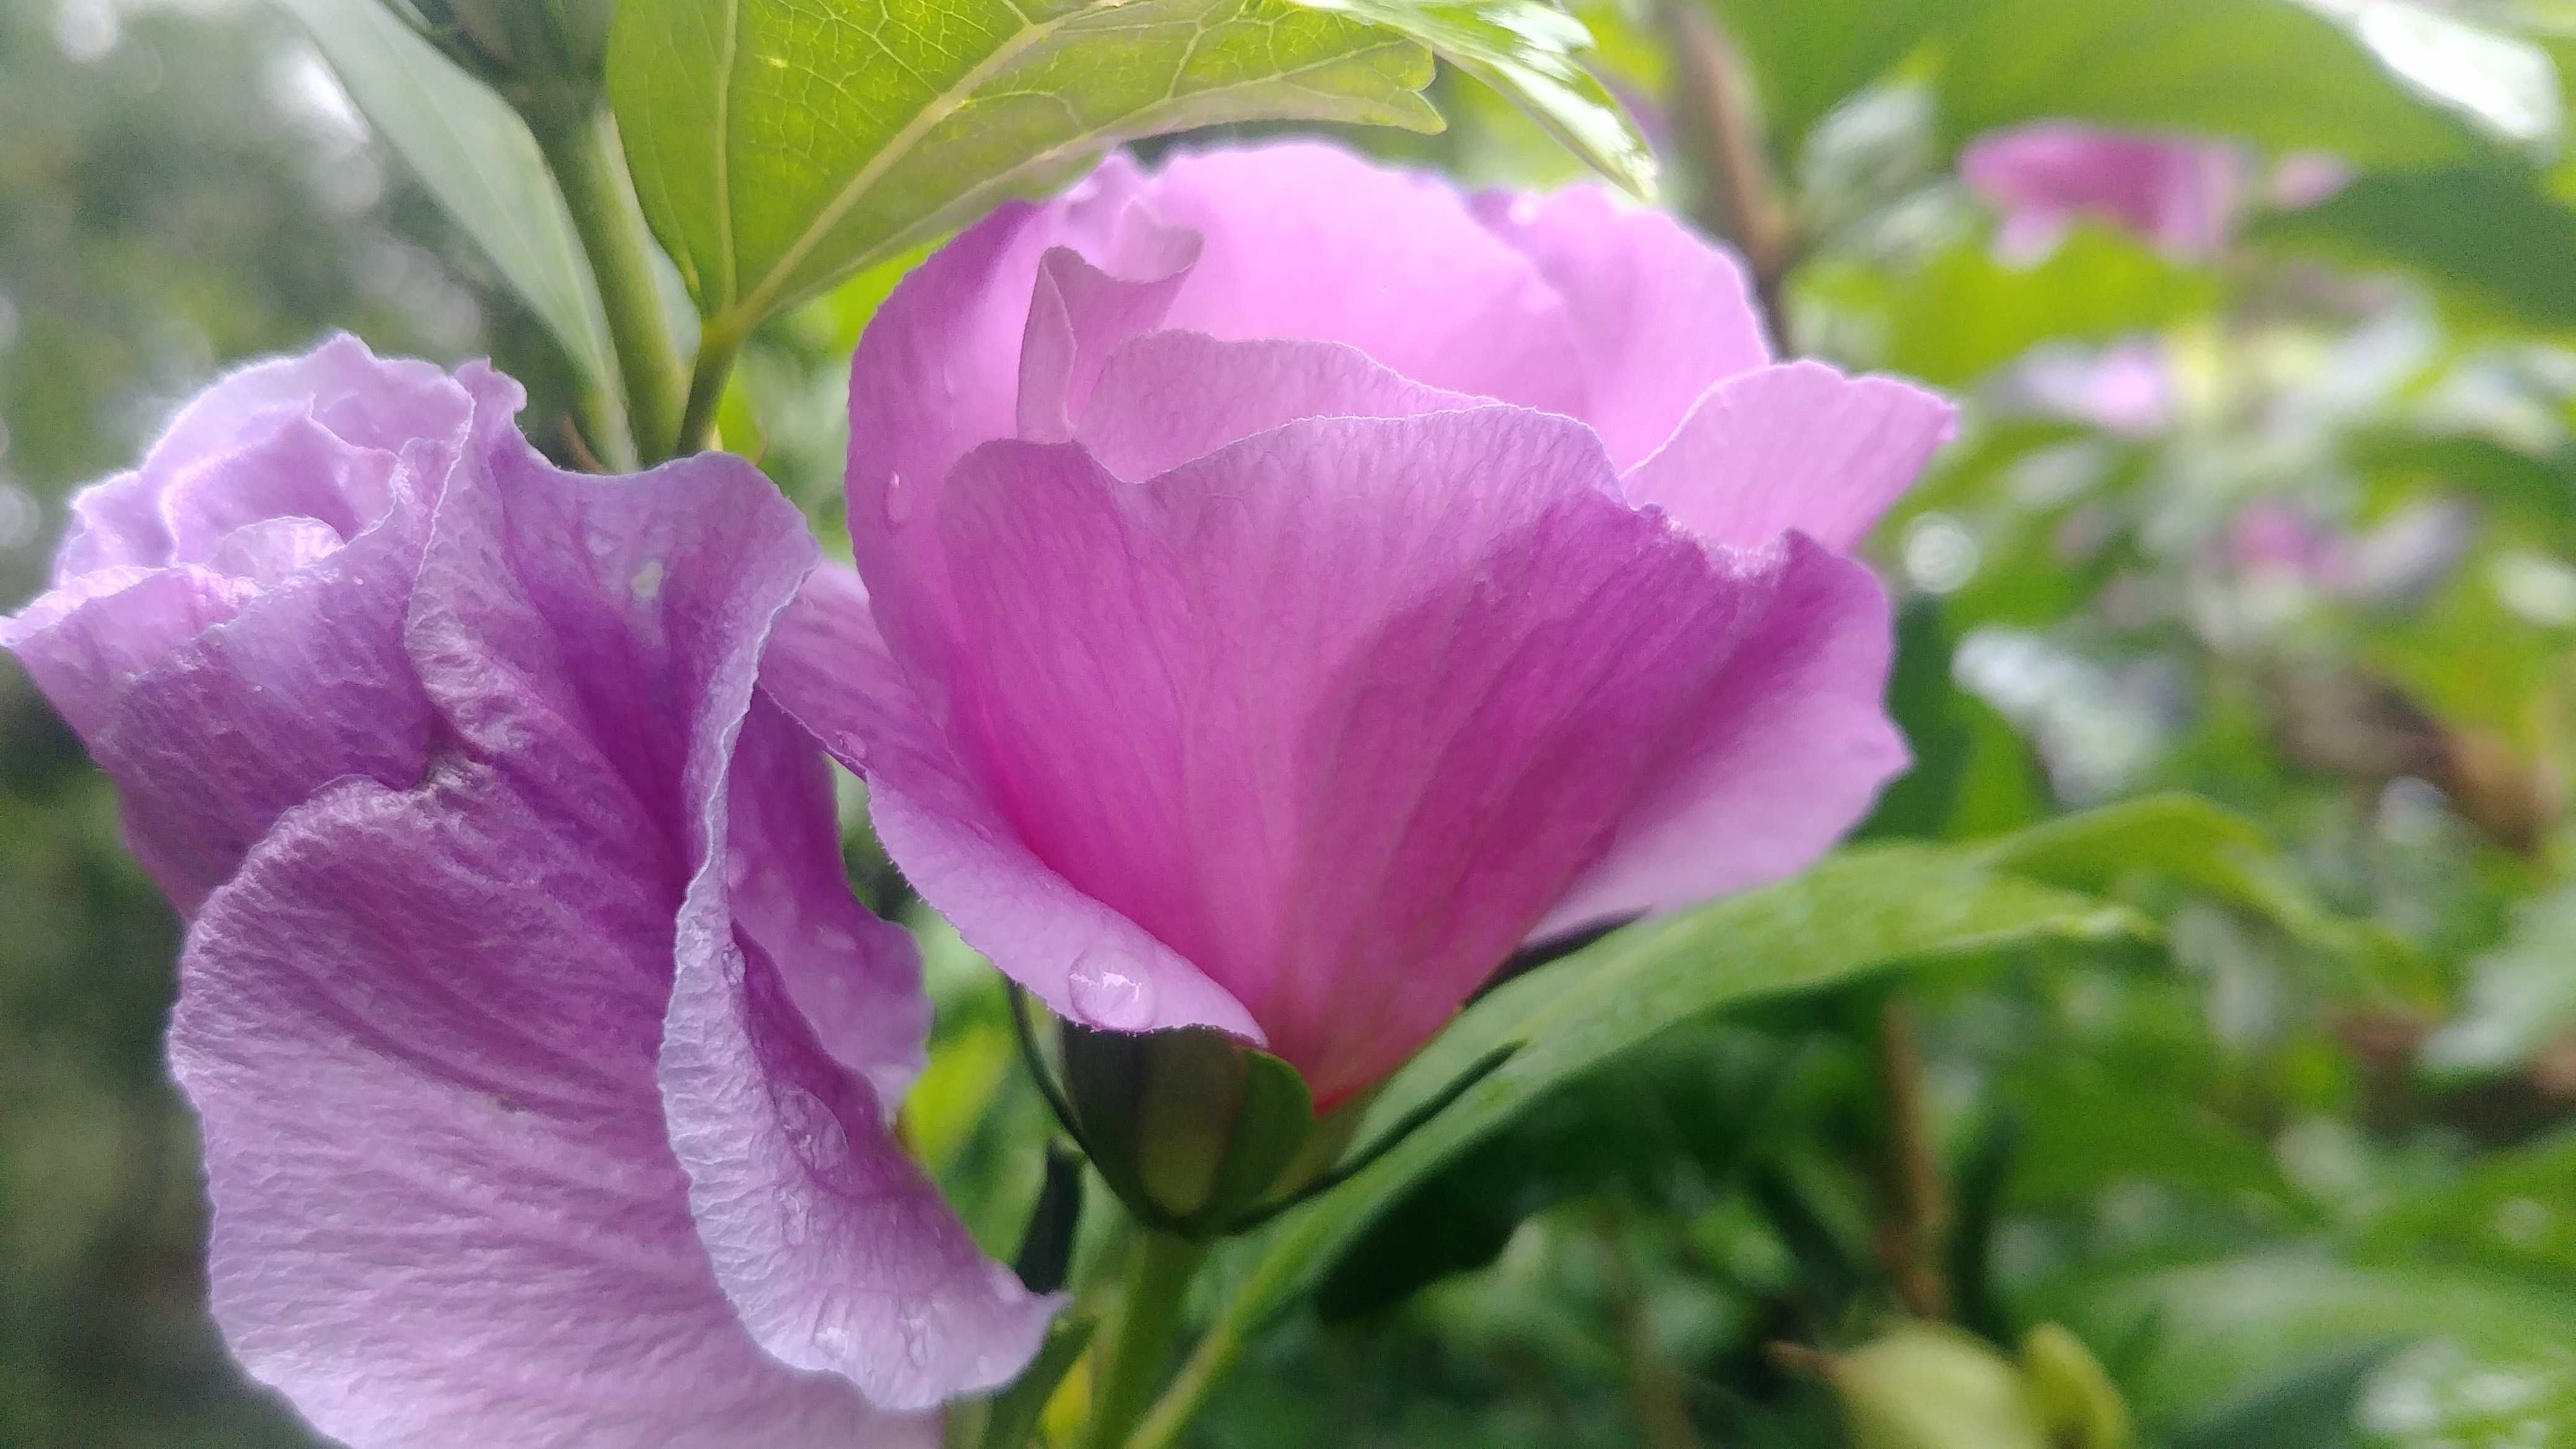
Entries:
{"x":2291,"y":524}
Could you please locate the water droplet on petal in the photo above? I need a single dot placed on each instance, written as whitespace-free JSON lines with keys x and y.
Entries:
{"x":947,"y":381}
{"x":1524,"y":210}
{"x":899,"y":502}
{"x":1108,"y":997}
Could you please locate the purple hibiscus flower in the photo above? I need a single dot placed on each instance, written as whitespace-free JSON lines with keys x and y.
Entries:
{"x":542,"y":1055}
{"x":1290,"y":585}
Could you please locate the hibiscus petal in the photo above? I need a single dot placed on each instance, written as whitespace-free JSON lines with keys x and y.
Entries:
{"x":1422,"y":287}
{"x":1794,"y":446}
{"x":939,"y":368}
{"x":1660,"y":315}
{"x":460,"y":1050}
{"x":446,"y":1215}
{"x":370,"y":402}
{"x":1789,"y":751}
{"x":1334,"y":713}
{"x":791,"y":897}
{"x":830,"y":669}
{"x":1168,"y":397}
{"x":834,"y":1246}
{"x":305,"y":684}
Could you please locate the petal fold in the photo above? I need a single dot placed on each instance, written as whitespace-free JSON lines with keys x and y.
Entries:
{"x":1796,"y":446}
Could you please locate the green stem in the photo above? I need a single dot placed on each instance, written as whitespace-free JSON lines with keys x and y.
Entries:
{"x":1129,"y":1363}
{"x":591,"y":168}
{"x":717,"y":347}
{"x":1189,"y":1389}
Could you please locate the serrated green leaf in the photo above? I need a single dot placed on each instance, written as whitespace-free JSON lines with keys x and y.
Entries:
{"x":1861,"y":911}
{"x":476,"y":156}
{"x":779,"y":145}
{"x":2379,"y":82}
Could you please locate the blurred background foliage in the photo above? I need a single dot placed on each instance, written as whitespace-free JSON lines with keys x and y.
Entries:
{"x":2290,"y":523}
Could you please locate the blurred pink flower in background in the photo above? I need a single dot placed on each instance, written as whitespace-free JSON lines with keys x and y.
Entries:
{"x":2178,"y":193}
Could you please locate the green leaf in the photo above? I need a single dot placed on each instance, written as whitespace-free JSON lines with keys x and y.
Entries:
{"x":2521,"y":997}
{"x":1965,"y":312}
{"x":2215,"y":1330}
{"x":2379,"y":82}
{"x":2188,"y":840}
{"x":780,"y":145}
{"x":2509,"y":1212}
{"x":1860,"y":911}
{"x":2489,"y":237}
{"x":476,"y":156}
{"x":2308,"y":1404}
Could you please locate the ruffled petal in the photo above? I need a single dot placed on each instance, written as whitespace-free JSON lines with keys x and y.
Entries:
{"x":419,"y":1030}
{"x":856,"y":978}
{"x":1797,"y":446}
{"x":478,"y":1058}
{"x":1334,"y":714}
{"x":834,"y":1246}
{"x":1660,"y":315}
{"x":1790,"y":747}
{"x":229,"y":728}
{"x":380,"y":404}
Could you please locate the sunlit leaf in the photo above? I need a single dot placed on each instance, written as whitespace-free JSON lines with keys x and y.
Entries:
{"x":1531,"y":52}
{"x":779,"y":145}
{"x":476,"y":156}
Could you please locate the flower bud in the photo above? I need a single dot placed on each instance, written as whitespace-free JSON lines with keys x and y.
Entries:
{"x":1190,"y":1127}
{"x":1924,"y":1386}
{"x":546,"y":57}
{"x":2075,"y":1396}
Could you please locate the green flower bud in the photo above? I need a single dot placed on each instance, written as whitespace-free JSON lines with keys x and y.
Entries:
{"x":1925,"y":1386}
{"x":1190,"y":1127}
{"x":546,"y":57}
{"x":2076,"y":1398}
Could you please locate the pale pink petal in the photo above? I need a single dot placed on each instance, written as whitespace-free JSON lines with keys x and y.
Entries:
{"x":1168,"y":397}
{"x":1334,"y":713}
{"x":1660,"y":315}
{"x":1790,"y":748}
{"x":1314,"y":242}
{"x":1795,"y":446}
{"x":829,"y":668}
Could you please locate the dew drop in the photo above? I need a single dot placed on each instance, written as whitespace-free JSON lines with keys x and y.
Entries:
{"x":1109,"y":998}
{"x":812,"y":1131}
{"x":899,"y":502}
{"x":947,"y":381}
{"x":1524,"y":210}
